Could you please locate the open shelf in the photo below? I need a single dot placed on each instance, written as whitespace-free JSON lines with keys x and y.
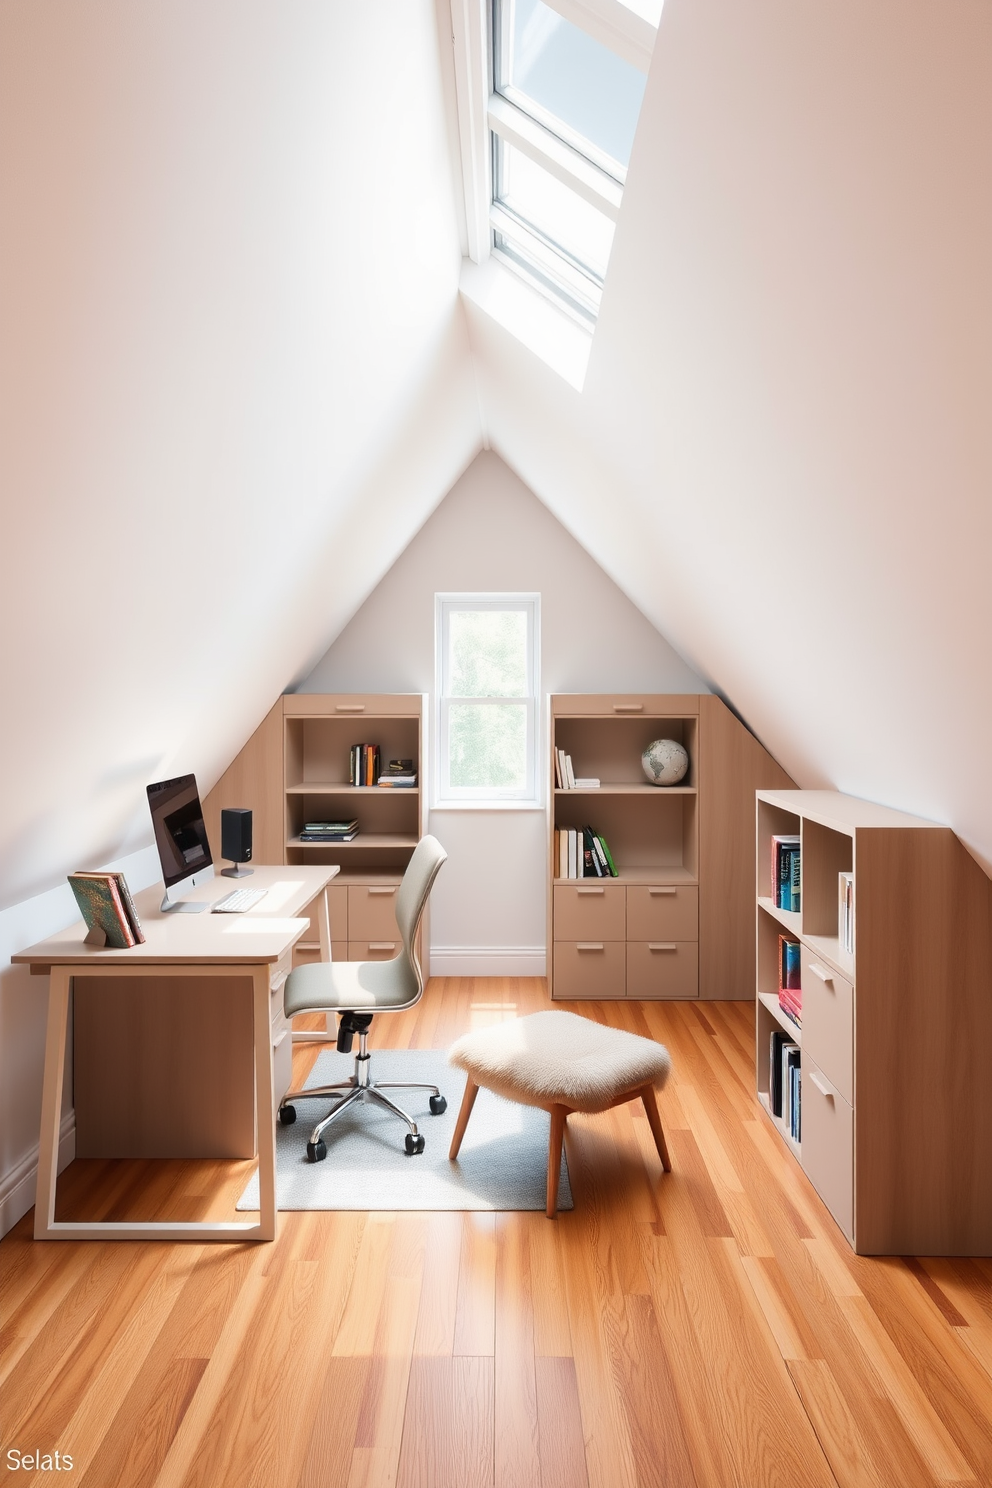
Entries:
{"x":780,"y":1126}
{"x":770,"y":1001}
{"x":335,"y":788}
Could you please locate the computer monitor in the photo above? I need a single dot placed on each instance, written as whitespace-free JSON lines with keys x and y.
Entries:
{"x":181,"y":839}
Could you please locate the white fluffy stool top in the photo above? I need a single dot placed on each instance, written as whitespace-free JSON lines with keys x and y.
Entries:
{"x":558,"y":1058}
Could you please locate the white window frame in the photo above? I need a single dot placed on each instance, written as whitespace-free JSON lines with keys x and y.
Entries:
{"x":627,"y":28}
{"x":445,"y":795}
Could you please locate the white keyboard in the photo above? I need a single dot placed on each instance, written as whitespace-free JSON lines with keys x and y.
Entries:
{"x":238,"y":901}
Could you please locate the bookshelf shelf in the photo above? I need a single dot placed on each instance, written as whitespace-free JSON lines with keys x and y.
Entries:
{"x":677,"y":921}
{"x":896,"y":1109}
{"x":295,"y":769}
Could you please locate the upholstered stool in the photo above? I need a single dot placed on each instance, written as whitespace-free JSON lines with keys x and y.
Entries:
{"x":562,"y":1063}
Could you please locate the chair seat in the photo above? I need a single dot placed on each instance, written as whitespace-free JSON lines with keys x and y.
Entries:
{"x":354,"y":985}
{"x":558,"y":1058}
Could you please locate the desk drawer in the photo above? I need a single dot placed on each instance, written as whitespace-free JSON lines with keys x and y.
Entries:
{"x":828,"y":1022}
{"x":589,"y":911}
{"x":662,"y":968}
{"x":372,"y":912}
{"x":593,"y":968}
{"x":662,"y":912}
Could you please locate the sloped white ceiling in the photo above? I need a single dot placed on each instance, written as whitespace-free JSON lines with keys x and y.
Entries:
{"x":234,"y":378}
{"x":783,"y":450}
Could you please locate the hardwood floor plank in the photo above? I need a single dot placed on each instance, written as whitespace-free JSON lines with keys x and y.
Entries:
{"x":559,"y":1424}
{"x":475,"y":1312}
{"x":150,"y":1419}
{"x":331,"y":1446}
{"x":516,"y":1431}
{"x":448,"y":1439}
{"x":552,"y":1330}
{"x":439,"y":1296}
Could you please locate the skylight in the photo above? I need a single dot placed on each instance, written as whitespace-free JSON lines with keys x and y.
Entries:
{"x":562,"y":115}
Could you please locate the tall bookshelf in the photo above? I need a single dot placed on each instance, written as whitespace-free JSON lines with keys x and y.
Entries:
{"x":678,"y":921}
{"x":295,"y":769}
{"x":896,"y":1034}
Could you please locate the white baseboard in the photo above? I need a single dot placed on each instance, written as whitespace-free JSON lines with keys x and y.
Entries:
{"x":488,"y":961}
{"x":17,"y":1188}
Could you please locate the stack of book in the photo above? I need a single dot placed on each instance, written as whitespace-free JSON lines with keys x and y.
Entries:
{"x":845,"y":911}
{"x":582,"y":853}
{"x":106,"y":905}
{"x":329,"y":831}
{"x":400,"y":775}
{"x":565,"y":777}
{"x":365,"y":765}
{"x":790,"y":990}
{"x":786,"y":872}
{"x":785,"y":1083}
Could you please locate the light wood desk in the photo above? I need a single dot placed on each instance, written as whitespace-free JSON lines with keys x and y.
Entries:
{"x":255,"y":948}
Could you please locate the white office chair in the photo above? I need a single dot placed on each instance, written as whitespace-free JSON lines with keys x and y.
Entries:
{"x":357,"y":990}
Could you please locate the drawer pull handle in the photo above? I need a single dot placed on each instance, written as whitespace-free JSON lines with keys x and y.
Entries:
{"x":587,"y":892}
{"x":662,"y":945}
{"x":821,"y":972}
{"x":628,"y":707}
{"x":349,"y":707}
{"x":821,"y":1084}
{"x":656,"y":892}
{"x":382,"y":945}
{"x":589,"y":945}
{"x":391,"y":890}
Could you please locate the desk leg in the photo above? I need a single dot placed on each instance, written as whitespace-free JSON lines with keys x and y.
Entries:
{"x":264,"y":1106}
{"x":51,"y":1103}
{"x":330,"y":1035}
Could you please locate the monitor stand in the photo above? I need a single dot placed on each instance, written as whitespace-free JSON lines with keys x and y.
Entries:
{"x":238,"y":871}
{"x":182,"y":906}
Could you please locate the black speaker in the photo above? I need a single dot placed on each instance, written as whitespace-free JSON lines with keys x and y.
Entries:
{"x":235,"y":840}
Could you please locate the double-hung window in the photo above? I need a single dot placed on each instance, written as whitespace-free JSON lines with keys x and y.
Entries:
{"x":567,"y":82}
{"x":487,"y":663}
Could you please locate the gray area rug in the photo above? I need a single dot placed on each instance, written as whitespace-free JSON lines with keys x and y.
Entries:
{"x":503,"y":1162}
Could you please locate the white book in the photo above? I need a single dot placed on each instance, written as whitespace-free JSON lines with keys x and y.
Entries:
{"x":570,"y":773}
{"x":562,"y":854}
{"x":586,"y":783}
{"x":571,"y":853}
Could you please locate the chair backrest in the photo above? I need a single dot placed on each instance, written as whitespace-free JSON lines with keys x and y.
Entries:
{"x":411,"y":899}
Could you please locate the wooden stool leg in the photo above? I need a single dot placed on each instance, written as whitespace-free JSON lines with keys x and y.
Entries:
{"x":558,"y":1117}
{"x":654,"y":1121}
{"x":468,"y":1101}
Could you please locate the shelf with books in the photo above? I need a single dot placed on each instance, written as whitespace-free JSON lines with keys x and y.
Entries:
{"x":896,"y":1021}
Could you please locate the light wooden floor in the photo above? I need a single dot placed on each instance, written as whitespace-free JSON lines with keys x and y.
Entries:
{"x":710,"y":1327}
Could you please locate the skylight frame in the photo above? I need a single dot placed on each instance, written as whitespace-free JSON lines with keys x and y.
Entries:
{"x":556,"y":270}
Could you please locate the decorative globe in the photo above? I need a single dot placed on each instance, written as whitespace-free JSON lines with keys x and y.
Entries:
{"x":664,"y":762}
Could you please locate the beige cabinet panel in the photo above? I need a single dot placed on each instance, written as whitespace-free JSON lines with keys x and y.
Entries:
{"x":589,"y":911}
{"x":828,"y":1143}
{"x":662,"y":912}
{"x":372,"y":912}
{"x":593,"y":968}
{"x":828,"y":1022}
{"x":662,"y":968}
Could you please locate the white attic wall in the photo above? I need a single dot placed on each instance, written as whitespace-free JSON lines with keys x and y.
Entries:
{"x":233,"y":378}
{"x":783,"y":451}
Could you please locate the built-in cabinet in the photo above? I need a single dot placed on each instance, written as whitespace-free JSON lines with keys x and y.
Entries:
{"x":678,"y":920}
{"x":896,"y":1035}
{"x":296,"y":769}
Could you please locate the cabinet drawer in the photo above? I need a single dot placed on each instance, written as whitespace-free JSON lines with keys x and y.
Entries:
{"x":662,"y":912}
{"x":828,"y":1141}
{"x":828,"y":1022}
{"x":592,"y":968}
{"x":372,"y":912}
{"x":662,"y":968}
{"x":380,"y":949}
{"x":337,"y":904}
{"x":589,"y":911}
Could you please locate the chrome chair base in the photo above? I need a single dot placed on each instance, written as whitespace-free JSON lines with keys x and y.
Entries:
{"x":360,"y":1087}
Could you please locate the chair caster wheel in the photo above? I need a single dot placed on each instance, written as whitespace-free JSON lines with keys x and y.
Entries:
{"x":316,"y":1151}
{"x":414,"y":1144}
{"x":287,"y":1115}
{"x":438,"y":1105}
